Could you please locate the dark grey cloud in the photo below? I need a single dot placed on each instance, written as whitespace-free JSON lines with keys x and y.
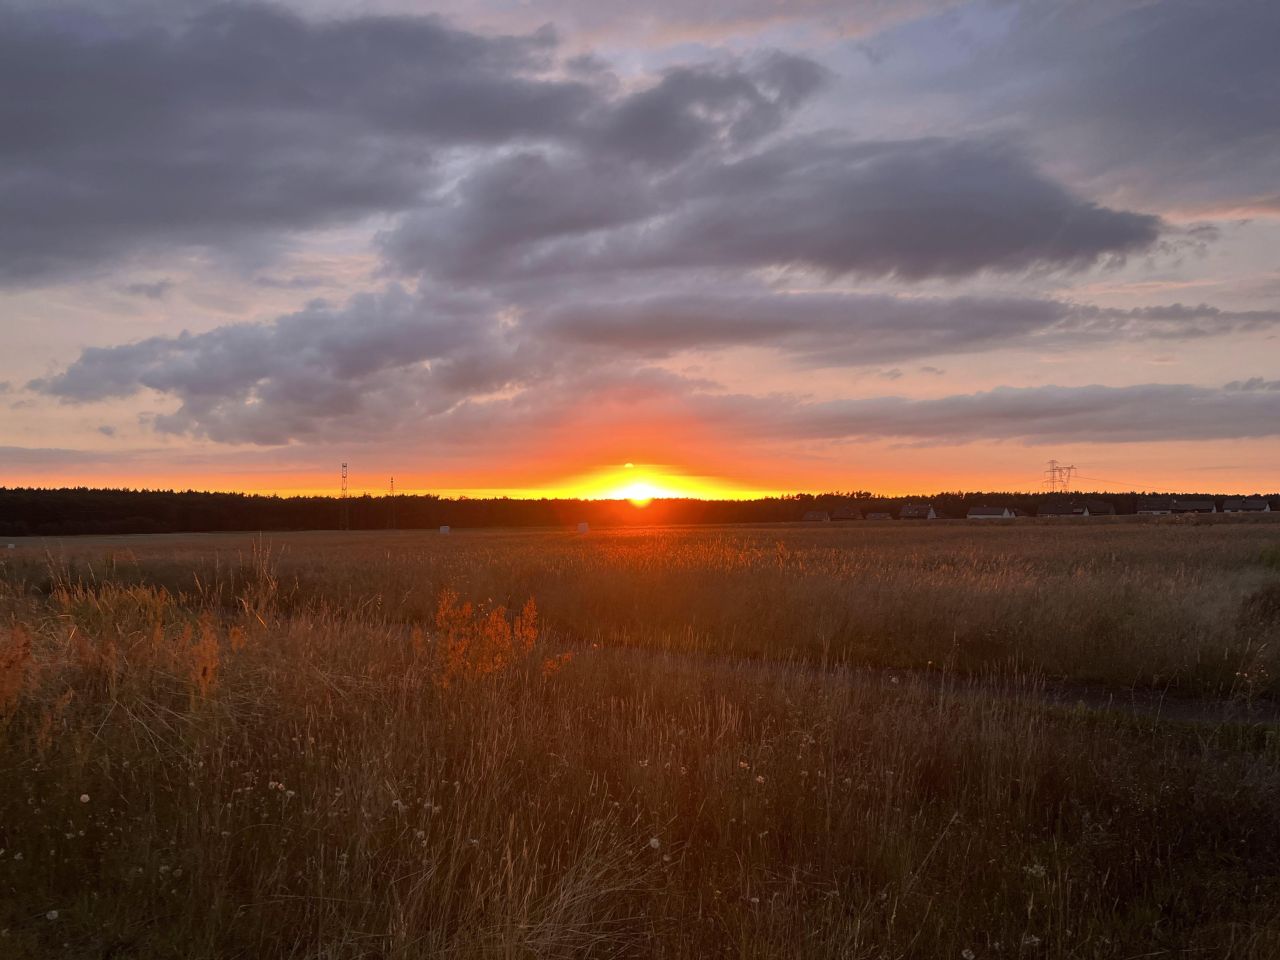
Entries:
{"x":1175,"y":321}
{"x":156,"y":290}
{"x":1152,"y":412}
{"x":197,"y":127}
{"x":909,"y":209}
{"x":820,"y":328}
{"x":495,"y":214}
{"x":284,"y":381}
{"x":692,"y":108}
{"x":1171,"y":101}
{"x":1253,"y":384}
{"x":52,"y":456}
{"x":830,"y":329}
{"x":381,"y":361}
{"x":212,"y":123}
{"x":223,"y":125}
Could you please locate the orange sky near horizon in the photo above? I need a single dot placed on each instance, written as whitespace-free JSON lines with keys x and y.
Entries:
{"x":1242,"y":467}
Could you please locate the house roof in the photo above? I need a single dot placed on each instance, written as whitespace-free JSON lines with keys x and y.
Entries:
{"x":988,"y":511}
{"x":912,"y":511}
{"x":1060,"y":509}
{"x":1245,"y":503}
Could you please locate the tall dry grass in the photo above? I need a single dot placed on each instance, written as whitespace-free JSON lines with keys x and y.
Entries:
{"x":259,"y":754}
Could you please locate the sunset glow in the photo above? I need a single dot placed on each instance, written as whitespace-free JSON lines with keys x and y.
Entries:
{"x":734,"y":250}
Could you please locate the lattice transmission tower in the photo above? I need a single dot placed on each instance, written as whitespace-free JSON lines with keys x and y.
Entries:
{"x":344,"y":509}
{"x":1058,"y":476}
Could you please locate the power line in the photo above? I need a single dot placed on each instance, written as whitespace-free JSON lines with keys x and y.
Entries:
{"x":1117,"y":483}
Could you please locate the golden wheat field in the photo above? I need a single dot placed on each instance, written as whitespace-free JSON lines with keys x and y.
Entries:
{"x":929,"y":741}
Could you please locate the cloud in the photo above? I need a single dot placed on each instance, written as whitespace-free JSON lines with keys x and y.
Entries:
{"x":229,"y":126}
{"x":383,"y":363}
{"x":359,"y":368}
{"x":152,"y":291}
{"x":1170,"y":102}
{"x":202,"y":124}
{"x":1175,"y":321}
{"x":905,"y":209}
{"x":836,"y":329}
{"x":820,"y":328}
{"x":1029,"y":415}
{"x":693,"y":107}
{"x":1253,"y":384}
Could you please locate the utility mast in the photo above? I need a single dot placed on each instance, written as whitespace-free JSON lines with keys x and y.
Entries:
{"x":344,"y":509}
{"x":1058,"y":476}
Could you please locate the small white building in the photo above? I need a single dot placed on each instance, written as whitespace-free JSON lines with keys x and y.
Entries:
{"x":989,"y":513}
{"x":584,"y":527}
{"x":444,"y":528}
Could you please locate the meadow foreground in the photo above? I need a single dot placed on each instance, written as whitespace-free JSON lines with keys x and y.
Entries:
{"x":770,"y":742}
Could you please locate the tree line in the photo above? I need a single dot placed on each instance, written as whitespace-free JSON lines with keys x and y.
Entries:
{"x":84,"y":510}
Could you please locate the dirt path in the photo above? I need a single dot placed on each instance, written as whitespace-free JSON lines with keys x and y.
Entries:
{"x":1064,"y":694}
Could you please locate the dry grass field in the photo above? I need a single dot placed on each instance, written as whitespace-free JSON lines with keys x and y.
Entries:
{"x":867,"y":742}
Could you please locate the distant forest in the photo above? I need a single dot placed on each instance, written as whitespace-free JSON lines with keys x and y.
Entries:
{"x":82,"y":510}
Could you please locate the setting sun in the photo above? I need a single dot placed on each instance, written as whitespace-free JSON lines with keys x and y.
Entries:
{"x":638,"y":493}
{"x":642,"y":483}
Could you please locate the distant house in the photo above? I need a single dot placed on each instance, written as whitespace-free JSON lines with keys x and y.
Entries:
{"x":846,"y":513}
{"x":989,"y":513}
{"x":879,"y":515}
{"x":1194,"y":506}
{"x":1076,"y":508}
{"x":1246,"y":505}
{"x":1155,"y":508}
{"x":816,"y":516}
{"x":1062,"y":509}
{"x":918,"y":511}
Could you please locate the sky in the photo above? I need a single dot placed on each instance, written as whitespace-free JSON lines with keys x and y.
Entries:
{"x":600,"y":248}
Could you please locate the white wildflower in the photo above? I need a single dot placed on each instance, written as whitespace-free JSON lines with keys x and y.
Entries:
{"x":655,"y":842}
